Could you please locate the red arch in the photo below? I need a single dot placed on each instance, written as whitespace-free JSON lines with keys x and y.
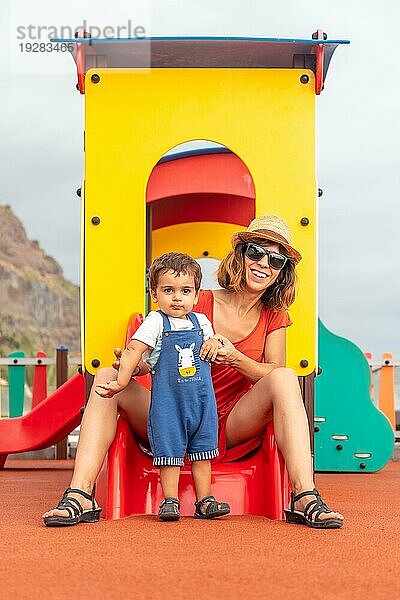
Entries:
{"x":201,"y":187}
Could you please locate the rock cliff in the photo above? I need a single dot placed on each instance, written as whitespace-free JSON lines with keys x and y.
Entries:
{"x":39,"y":309}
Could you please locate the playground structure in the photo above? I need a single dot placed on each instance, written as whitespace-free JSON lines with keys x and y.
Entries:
{"x":137,"y":204}
{"x":351,"y":408}
{"x":17,"y":365}
{"x":52,"y":417}
{"x":387,"y":394}
{"x":254,"y":97}
{"x":350,"y":432}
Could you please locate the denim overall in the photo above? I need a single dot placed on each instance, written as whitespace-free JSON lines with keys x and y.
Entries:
{"x":183,"y":411}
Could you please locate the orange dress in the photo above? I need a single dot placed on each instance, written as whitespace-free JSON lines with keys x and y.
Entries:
{"x":229,"y":384}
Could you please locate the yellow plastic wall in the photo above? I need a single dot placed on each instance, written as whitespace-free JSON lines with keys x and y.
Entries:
{"x":132,"y":117}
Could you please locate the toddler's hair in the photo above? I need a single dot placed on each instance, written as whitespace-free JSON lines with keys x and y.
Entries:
{"x":176,"y":262}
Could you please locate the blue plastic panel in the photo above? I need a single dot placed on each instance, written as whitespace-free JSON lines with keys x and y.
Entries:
{"x":202,"y":52}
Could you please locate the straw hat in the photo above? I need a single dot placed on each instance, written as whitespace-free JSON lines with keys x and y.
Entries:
{"x":268,"y":227}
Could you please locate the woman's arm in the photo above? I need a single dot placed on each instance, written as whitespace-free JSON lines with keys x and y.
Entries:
{"x":274,"y":356}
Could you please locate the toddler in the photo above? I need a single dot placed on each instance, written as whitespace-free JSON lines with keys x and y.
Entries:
{"x":183,"y":412}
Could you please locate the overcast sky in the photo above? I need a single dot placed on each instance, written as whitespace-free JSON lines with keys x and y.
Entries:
{"x":357,"y":136}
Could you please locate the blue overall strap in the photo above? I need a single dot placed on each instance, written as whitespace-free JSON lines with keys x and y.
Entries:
{"x":166,"y":323}
{"x":192,"y":317}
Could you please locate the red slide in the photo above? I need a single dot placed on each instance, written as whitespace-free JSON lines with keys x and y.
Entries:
{"x":48,"y":423}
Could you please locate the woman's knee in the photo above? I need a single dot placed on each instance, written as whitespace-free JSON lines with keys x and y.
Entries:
{"x":105,"y":374}
{"x":281,"y":376}
{"x":102,"y":376}
{"x":283,"y":382}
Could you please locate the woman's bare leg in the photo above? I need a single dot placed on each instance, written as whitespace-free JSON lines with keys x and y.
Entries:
{"x":278,"y":396}
{"x":98,"y":430}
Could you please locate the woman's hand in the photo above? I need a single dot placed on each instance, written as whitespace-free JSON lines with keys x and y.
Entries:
{"x":109,"y":389}
{"x":227,"y":353}
{"x":118,"y":354}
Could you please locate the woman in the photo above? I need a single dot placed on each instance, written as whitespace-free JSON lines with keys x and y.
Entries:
{"x":252,"y":384}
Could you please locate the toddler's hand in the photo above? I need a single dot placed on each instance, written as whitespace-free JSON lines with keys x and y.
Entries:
{"x":209,"y":349}
{"x":109,"y":389}
{"x":227,"y":352}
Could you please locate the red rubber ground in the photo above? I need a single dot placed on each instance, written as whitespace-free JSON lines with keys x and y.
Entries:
{"x":235,"y":558}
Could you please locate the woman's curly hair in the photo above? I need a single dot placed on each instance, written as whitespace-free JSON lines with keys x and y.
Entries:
{"x":231,"y":276}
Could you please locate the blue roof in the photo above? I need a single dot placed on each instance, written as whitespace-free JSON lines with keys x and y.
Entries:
{"x":163,"y":38}
{"x":202,"y":52}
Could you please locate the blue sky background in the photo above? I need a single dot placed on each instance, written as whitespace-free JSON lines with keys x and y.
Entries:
{"x":41,"y":126}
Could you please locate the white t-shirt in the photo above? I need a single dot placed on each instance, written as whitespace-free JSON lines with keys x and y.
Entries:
{"x":150,"y":332}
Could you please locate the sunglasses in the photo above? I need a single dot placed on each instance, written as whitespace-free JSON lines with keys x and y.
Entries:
{"x":275,"y":260}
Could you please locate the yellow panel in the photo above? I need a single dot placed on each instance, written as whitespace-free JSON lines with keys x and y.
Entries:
{"x":265,"y":116}
{"x":82,"y":265}
{"x":194,"y":239}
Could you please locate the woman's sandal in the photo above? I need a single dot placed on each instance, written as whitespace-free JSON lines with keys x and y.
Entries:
{"x":169,"y":510}
{"x":317,"y":507}
{"x":214,"y":508}
{"x":75,"y":510}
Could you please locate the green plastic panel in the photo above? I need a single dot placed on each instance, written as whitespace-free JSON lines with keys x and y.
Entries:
{"x":16,"y":385}
{"x":351,"y":435}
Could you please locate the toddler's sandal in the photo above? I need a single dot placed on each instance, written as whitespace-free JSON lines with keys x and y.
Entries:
{"x":169,"y":510}
{"x":213,"y":510}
